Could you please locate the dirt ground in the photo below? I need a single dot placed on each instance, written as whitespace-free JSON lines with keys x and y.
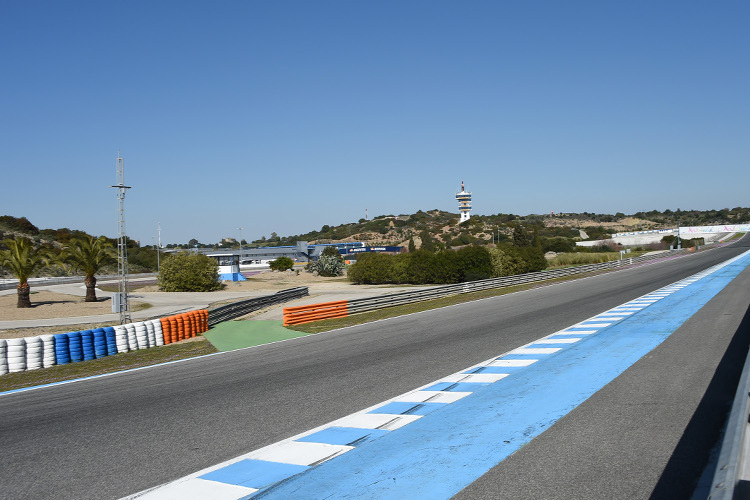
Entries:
{"x":46,"y":304}
{"x":273,"y":281}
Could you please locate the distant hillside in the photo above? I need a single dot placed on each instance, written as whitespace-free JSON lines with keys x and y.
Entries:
{"x":443,"y":228}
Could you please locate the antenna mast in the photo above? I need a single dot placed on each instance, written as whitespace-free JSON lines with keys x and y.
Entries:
{"x":122,"y":248}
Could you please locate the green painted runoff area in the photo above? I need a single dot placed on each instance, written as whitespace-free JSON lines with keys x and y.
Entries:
{"x":231,"y":335}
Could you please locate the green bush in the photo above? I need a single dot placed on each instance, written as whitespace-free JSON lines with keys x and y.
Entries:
{"x":189,"y":272}
{"x":423,"y":267}
{"x":281,"y":264}
{"x":329,"y":264}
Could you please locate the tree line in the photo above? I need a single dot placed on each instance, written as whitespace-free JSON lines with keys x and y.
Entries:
{"x":469,"y":263}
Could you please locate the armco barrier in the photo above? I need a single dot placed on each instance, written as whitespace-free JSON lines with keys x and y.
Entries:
{"x":314,"y":312}
{"x":394,"y":299}
{"x":243,"y":307}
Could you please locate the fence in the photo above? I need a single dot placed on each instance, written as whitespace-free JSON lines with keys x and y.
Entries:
{"x":61,"y":280}
{"x":243,"y":307}
{"x":315,"y":312}
{"x":731,"y":478}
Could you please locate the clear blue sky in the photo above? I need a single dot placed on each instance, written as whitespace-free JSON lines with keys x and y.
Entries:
{"x":284,"y":116}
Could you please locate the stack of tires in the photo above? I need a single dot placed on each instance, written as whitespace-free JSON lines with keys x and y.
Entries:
{"x":43,"y":351}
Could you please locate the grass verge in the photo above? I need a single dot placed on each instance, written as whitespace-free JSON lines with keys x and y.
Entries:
{"x":109,"y":364}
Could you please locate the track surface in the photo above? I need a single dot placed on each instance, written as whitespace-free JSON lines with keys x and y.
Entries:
{"x":117,"y":435}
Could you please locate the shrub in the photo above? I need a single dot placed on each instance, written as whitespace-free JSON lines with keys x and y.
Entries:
{"x":422,"y":267}
{"x":281,"y":264}
{"x":330,"y":263}
{"x":186,"y":272}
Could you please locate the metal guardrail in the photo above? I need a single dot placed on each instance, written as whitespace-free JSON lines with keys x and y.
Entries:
{"x":394,"y":299}
{"x":237,"y":309}
{"x":731,"y":478}
{"x":61,"y":280}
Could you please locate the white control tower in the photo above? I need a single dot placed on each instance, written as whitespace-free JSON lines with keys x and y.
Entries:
{"x":464,"y":203}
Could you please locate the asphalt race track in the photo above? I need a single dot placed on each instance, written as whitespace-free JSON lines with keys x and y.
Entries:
{"x":648,"y":432}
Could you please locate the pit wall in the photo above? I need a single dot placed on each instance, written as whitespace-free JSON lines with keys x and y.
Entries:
{"x":43,"y":351}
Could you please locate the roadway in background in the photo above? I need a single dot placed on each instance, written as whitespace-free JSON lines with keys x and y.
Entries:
{"x":116,"y":435}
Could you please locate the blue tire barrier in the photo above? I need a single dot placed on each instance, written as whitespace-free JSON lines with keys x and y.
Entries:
{"x":150,"y":333}
{"x":100,"y":343}
{"x":62,"y":353}
{"x":16,"y":355}
{"x":109,"y":333}
{"x":3,"y":357}
{"x":74,"y":347}
{"x":158,"y":333}
{"x":87,"y":344}
{"x":48,"y":350}
{"x":34,"y":353}
{"x":132,"y":341}
{"x":121,"y":337}
{"x":141,"y":335}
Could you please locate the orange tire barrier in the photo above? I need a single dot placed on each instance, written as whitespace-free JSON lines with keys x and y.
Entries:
{"x":180,"y":327}
{"x":204,"y":315}
{"x":194,"y":323}
{"x":165,"y":330}
{"x":314,"y":312}
{"x":188,"y":325}
{"x":187,"y":318}
{"x":173,"y":328}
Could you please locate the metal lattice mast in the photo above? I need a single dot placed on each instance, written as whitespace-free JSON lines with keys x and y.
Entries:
{"x":122,"y":248}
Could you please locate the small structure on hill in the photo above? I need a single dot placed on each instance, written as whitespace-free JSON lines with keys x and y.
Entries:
{"x":464,"y":203}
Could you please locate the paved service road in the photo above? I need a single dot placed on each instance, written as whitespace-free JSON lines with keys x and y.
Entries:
{"x":113,"y":436}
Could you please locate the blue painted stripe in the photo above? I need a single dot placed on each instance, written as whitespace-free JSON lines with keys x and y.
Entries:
{"x":254,"y":473}
{"x":437,"y":456}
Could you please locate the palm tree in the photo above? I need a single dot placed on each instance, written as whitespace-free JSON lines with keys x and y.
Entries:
{"x":87,"y":255}
{"x":23,"y":259}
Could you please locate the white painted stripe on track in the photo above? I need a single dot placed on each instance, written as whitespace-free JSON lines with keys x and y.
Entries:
{"x":431,"y":397}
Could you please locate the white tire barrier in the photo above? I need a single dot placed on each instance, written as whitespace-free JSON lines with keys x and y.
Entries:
{"x":3,"y":357}
{"x":34,"y":351}
{"x":48,"y":350}
{"x":158,"y":333}
{"x":150,"y":333}
{"x":132,"y":341}
{"x":16,"y":355}
{"x":121,"y":338}
{"x":141,"y":335}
